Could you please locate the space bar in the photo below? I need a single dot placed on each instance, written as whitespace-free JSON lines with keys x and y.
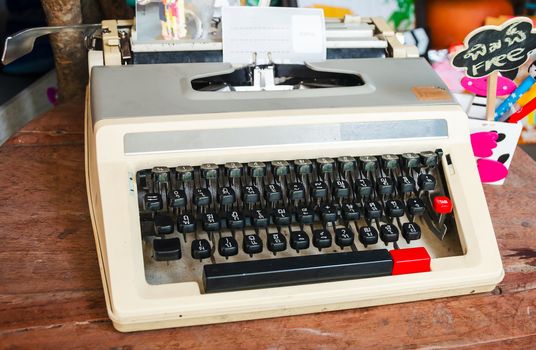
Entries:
{"x":277,"y":272}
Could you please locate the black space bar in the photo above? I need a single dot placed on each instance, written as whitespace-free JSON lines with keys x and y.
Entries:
{"x":278,"y":272}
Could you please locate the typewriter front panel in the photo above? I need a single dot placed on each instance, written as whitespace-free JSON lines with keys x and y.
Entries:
{"x":325,"y":205}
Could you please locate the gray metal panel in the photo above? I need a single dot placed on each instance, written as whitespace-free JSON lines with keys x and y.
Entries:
{"x":165,"y":89}
{"x":166,"y":141}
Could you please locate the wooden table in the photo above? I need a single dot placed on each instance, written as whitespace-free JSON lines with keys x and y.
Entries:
{"x":50,"y":286}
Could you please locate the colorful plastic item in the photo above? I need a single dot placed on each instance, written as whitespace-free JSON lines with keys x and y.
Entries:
{"x":479,"y":86}
{"x":442,"y":205}
{"x":410,"y":260}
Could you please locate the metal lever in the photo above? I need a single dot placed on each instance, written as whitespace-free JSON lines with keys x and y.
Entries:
{"x":22,"y":43}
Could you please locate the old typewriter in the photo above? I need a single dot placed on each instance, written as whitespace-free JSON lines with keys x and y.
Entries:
{"x":221,"y":193}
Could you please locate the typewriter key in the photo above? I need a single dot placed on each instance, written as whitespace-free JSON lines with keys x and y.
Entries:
{"x":384,"y":186}
{"x":321,"y":239}
{"x":259,"y":218}
{"x":227,"y":246}
{"x":250,"y":194}
{"x":186,"y":223}
{"x":368,"y":235}
{"x":252,"y":244}
{"x":325,"y":165}
{"x":429,"y":159}
{"x":282,"y":216}
{"x":167,"y":249}
{"x":202,"y":197}
{"x":411,"y":231}
{"x":280,"y":168}
{"x":389,"y":233}
{"x":305,"y":215}
{"x":303,"y":166}
{"x":256,"y":169}
{"x":389,"y":161}
{"x":153,"y":201}
{"x":344,"y":237}
{"x":233,"y":169}
{"x":373,"y":210}
{"x":299,"y":240}
{"x":273,"y":193}
{"x":211,"y":222}
{"x":394,"y":208}
{"x":201,"y":249}
{"x":406,"y":184}
{"x":209,"y":171}
{"x":415,"y":206}
{"x":346,"y":164}
{"x":319,"y":189}
{"x":160,"y":174}
{"x":235,"y":220}
{"x":185,"y":173}
{"x":177,"y":199}
{"x":368,"y":163}
{"x":411,"y":160}
{"x":328,"y":213}
{"x":296,"y":191}
{"x":350,"y":212}
{"x":363,"y":188}
{"x":341,"y":189}
{"x":277,"y":242}
{"x":226,"y":195}
{"x":426,"y":182}
{"x":163,"y":224}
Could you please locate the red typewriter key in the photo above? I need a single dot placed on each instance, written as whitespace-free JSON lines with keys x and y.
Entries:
{"x":442,"y":205}
{"x":410,"y":260}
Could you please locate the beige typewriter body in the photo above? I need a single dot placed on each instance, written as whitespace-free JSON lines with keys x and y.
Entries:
{"x":142,"y":116}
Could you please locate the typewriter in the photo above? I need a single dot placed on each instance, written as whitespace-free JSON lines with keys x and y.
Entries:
{"x":221,"y":193}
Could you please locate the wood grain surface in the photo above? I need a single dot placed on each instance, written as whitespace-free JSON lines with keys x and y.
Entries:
{"x":50,"y":287}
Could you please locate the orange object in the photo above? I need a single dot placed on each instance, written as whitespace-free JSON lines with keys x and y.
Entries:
{"x":449,"y":21}
{"x":333,"y":12}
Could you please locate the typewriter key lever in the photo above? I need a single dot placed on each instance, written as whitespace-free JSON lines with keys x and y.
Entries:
{"x":442,"y":206}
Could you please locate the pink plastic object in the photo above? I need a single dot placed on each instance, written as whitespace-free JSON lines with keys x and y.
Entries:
{"x":491,"y":170}
{"x":479,"y":86}
{"x":483,"y":143}
{"x":450,"y":75}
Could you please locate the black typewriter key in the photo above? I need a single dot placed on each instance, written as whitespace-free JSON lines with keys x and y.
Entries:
{"x":411,"y":231}
{"x":252,"y":244}
{"x":394,"y":208}
{"x":259,"y":218}
{"x":363,"y":187}
{"x":167,"y":249}
{"x":299,"y":240}
{"x":389,"y":233}
{"x":368,"y":235}
{"x":426,"y":182}
{"x":341,"y":189}
{"x":211,"y":222}
{"x":250,"y":194}
{"x":201,"y":249}
{"x":350,"y":212}
{"x":163,"y":224}
{"x":277,"y":242}
{"x":384,"y":186}
{"x":153,"y":201}
{"x":202,"y":197}
{"x":321,"y":239}
{"x":235,"y":220}
{"x":296,"y":191}
{"x":281,"y":216}
{"x":303,"y":166}
{"x":373,"y":210}
{"x":280,"y":168}
{"x":226,"y":195}
{"x":415,"y":206}
{"x":344,"y":237}
{"x":368,"y":163}
{"x":406,"y":184}
{"x":328,"y":213}
{"x":185,"y":223}
{"x":305,"y":215}
{"x":177,"y":199}
{"x":273,"y":193}
{"x":411,"y":160}
{"x":319,"y":189}
{"x":227,"y":246}
{"x":389,"y":161}
{"x":428,"y":159}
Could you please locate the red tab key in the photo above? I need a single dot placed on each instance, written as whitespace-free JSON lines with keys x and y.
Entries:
{"x":410,"y":260}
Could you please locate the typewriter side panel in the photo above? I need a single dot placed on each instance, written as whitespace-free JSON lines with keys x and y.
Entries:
{"x":137,"y":305}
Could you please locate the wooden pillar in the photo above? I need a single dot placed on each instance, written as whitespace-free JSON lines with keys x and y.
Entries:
{"x":70,"y":55}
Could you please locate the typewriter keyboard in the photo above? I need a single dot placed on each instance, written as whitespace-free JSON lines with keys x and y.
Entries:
{"x":261,"y":224}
